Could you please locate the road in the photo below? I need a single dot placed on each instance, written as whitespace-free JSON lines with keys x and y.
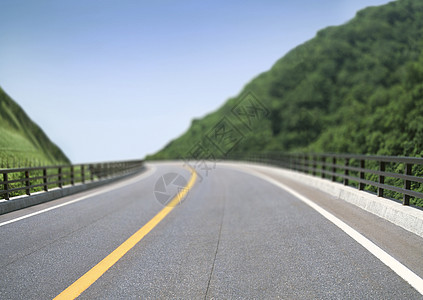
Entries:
{"x":235,"y":235}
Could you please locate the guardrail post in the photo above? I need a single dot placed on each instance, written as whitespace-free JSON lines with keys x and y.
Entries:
{"x":295,"y":163}
{"x":333,"y":168}
{"x":28,"y":189}
{"x":310,"y":164}
{"x":407,"y":184}
{"x":323,"y":160}
{"x":45,"y":179}
{"x":314,"y":165}
{"x":72,"y":175}
{"x":281,"y":160}
{"x":381,"y":178}
{"x":82,"y":174}
{"x":6,"y":186}
{"x":362,"y":166}
{"x":346,"y":171}
{"x":91,"y":168}
{"x":59,"y":177}
{"x":299,"y":163}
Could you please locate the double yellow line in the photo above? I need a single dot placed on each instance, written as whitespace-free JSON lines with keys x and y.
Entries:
{"x":97,"y":271}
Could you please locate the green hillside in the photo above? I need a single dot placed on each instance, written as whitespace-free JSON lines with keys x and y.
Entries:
{"x":22,"y":142}
{"x":355,"y":88}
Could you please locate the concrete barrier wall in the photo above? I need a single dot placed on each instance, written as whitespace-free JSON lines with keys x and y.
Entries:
{"x":407,"y":217}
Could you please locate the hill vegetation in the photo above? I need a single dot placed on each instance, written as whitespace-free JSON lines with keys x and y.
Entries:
{"x":22,"y":142}
{"x":354,"y":88}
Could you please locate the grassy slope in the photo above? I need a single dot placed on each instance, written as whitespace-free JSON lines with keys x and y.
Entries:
{"x":21,"y":140}
{"x":353,"y":88}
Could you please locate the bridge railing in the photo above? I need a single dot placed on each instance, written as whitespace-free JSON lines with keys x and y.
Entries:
{"x":389,"y":176}
{"x":25,"y":181}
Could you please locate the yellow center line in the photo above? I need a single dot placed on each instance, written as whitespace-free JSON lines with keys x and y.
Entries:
{"x":98,"y":270}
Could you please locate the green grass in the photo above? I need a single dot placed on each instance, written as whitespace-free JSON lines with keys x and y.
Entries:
{"x":22,"y":142}
{"x":16,"y":151}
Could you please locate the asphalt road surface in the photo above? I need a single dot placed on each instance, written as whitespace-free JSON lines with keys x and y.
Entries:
{"x":235,"y":235}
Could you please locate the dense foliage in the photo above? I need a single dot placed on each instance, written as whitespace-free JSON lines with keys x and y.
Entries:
{"x":22,"y":142}
{"x":355,"y":88}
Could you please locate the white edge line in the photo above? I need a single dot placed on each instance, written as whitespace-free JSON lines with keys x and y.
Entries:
{"x":405,"y":273}
{"x":105,"y":190}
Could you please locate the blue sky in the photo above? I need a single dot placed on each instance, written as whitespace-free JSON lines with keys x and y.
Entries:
{"x":113,"y":80}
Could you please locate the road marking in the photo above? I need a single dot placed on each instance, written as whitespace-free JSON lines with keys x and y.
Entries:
{"x":97,"y":271}
{"x":405,"y":273}
{"x":104,"y":190}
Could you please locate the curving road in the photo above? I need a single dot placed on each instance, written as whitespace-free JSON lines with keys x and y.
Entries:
{"x":236,"y":234}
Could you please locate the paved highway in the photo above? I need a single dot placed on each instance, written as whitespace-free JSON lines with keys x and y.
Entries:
{"x":236,"y":234}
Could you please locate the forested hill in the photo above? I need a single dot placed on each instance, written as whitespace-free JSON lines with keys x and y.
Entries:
{"x":22,"y":142}
{"x":355,"y":88}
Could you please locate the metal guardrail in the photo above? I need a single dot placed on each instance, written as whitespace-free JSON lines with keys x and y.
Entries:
{"x":402,"y":175}
{"x":23,"y":181}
